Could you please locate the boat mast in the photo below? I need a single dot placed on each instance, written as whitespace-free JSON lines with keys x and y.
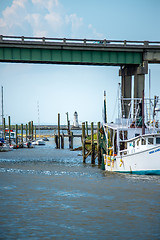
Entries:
{"x":105,"y":108}
{"x":143,"y":126}
{"x":2,"y":106}
{"x":149,"y":97}
{"x":119,"y":105}
{"x":38,"y":117}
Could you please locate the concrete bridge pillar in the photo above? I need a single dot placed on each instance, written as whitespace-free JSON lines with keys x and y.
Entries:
{"x":139,"y":85}
{"x":126,"y":91}
{"x":126,"y":73}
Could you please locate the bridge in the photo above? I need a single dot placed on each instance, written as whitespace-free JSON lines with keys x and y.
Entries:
{"x":132,"y":56}
{"x":77,"y":51}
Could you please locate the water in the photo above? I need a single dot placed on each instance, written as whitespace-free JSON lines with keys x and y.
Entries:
{"x":47,"y":193}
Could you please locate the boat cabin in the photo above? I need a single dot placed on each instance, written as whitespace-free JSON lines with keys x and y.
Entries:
{"x":140,"y":143}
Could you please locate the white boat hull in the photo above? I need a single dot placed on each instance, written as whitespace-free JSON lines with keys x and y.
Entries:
{"x":144,"y":162}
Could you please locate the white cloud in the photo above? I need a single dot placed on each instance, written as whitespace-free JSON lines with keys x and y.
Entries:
{"x":76,"y":24}
{"x":43,"y":18}
{"x":13,"y":17}
{"x":94,"y":32}
{"x":50,"y":5}
{"x":54,"y":20}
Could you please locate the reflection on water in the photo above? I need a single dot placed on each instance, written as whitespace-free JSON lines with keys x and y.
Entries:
{"x":47,"y":193}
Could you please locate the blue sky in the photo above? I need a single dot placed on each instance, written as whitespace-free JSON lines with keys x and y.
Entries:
{"x":60,"y":88}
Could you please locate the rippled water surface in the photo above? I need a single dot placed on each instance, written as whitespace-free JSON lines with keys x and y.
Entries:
{"x":47,"y":193}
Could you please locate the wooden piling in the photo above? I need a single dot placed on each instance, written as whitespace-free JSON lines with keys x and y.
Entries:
{"x":58,"y":130}
{"x":86,"y":129}
{"x":4,"y":128}
{"x":26,"y":131}
{"x":71,"y":140}
{"x":29,"y":128}
{"x":56,"y":140}
{"x":68,"y":124}
{"x":32,"y":130}
{"x":83,"y":142}
{"x":98,"y":144}
{"x":62,"y":141}
{"x":16,"y":135}
{"x":92,"y":145}
{"x":21,"y":133}
{"x":35,"y":136}
{"x":9,"y":128}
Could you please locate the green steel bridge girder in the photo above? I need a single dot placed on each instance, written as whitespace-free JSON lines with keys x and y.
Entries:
{"x":70,"y":56}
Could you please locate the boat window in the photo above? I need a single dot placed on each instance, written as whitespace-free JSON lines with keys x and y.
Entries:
{"x":137,"y":134}
{"x":143,"y":141}
{"x":138,"y":142}
{"x":150,"y":140}
{"x":158,"y":140}
{"x":134,"y":144}
{"x":12,"y":134}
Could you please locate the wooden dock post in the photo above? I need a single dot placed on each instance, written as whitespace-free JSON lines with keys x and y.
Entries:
{"x":16,"y":135}
{"x":62,"y":141}
{"x":83,"y":142}
{"x":69,"y":128}
{"x":32,"y":130}
{"x":92,"y":145}
{"x":35,"y":133}
{"x":71,"y":140}
{"x":9,"y":128}
{"x":4,"y":128}
{"x":58,"y":130}
{"x":68,"y":123}
{"x":26,"y":131}
{"x":29,"y":128}
{"x":21,"y":133}
{"x":86,"y":129}
{"x":56,"y":140}
{"x":98,"y":144}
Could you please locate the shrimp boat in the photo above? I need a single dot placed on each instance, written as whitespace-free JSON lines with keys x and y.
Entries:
{"x":133,"y":143}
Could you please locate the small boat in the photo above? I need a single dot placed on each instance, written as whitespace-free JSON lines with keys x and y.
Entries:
{"x":45,"y":139}
{"x":133,"y":144}
{"x":40,"y":142}
{"x":28,"y":144}
{"x":4,"y":147}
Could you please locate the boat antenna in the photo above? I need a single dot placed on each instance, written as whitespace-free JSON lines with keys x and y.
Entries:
{"x":119,"y":99}
{"x":38,"y":117}
{"x":105,"y":108}
{"x":149,"y":96}
{"x":143,"y":126}
{"x":2,"y":106}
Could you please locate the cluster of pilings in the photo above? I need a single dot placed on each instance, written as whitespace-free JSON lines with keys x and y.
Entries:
{"x":93,"y":145}
{"x":59,"y":138}
{"x":30,"y":132}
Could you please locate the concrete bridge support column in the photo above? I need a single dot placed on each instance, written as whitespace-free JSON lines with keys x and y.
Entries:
{"x":126,"y":73}
{"x":126,"y":91}
{"x":139,"y":85}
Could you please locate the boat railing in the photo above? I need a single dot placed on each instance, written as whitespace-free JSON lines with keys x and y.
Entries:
{"x":134,"y":106}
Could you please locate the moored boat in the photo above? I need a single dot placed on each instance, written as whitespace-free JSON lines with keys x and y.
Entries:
{"x":39,"y":142}
{"x":133,"y":144}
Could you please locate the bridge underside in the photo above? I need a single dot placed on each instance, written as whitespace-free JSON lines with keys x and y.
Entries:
{"x":76,"y":57}
{"x":132,"y":57}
